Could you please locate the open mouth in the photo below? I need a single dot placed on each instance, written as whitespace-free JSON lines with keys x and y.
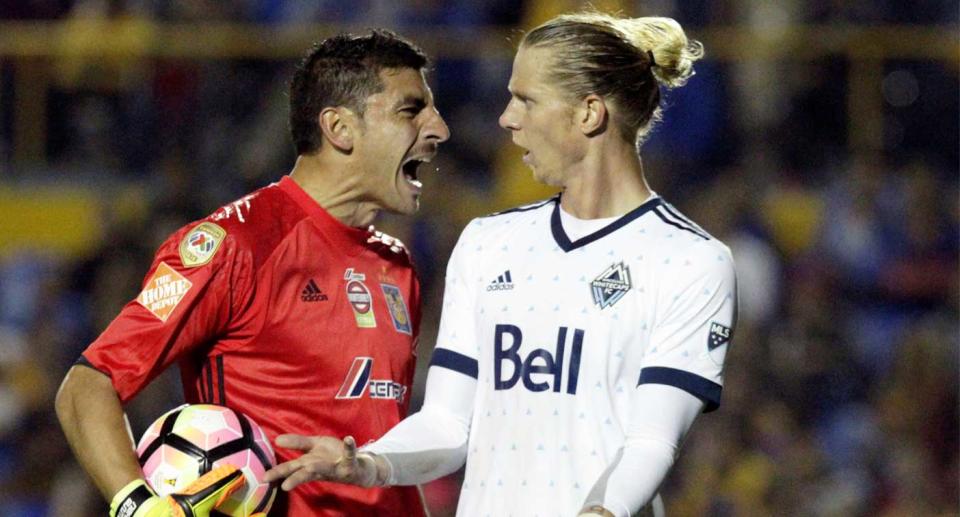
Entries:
{"x":410,"y":170}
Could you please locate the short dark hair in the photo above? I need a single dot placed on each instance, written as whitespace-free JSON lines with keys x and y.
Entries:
{"x":343,"y":70}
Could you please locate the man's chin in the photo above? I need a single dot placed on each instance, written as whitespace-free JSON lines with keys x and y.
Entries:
{"x":410,"y":210}
{"x":406,"y":207}
{"x":544,"y":179}
{"x":416,"y":205}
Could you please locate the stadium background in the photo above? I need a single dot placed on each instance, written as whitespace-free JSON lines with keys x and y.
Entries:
{"x":819,"y":139}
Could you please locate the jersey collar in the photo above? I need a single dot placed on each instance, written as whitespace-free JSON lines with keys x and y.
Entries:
{"x":330,"y":224}
{"x":564,"y":242}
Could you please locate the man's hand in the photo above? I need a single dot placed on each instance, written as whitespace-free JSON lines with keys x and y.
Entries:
{"x":197,"y":500}
{"x":327,"y":459}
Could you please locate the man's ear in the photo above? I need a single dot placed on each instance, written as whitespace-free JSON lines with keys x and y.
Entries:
{"x":337,"y":125}
{"x":592,"y":115}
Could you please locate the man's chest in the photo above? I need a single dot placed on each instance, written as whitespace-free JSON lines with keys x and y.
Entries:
{"x":550,"y":323}
{"x":325,"y":315}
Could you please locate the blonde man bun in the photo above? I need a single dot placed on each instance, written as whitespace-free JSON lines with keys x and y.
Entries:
{"x":673,"y":53}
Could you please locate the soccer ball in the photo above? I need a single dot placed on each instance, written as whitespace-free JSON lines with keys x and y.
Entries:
{"x":190,"y":440}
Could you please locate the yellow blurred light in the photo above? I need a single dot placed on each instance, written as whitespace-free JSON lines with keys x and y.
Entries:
{"x":56,"y":221}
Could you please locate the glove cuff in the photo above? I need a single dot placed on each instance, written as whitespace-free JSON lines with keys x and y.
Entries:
{"x":130,"y":498}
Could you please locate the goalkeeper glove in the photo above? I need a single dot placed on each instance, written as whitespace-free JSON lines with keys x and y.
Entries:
{"x":197,"y":500}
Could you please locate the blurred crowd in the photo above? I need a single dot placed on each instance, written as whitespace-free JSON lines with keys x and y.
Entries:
{"x":841,"y":392}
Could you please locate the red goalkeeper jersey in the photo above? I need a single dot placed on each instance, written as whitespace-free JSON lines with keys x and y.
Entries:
{"x":278,"y":310}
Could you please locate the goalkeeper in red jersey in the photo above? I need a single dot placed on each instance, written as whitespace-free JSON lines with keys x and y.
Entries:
{"x":284,"y":305}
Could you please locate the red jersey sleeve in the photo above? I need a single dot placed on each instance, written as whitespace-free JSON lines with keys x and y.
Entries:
{"x":197,"y":280}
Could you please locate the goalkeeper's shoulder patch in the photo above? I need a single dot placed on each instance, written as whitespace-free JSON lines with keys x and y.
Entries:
{"x":201,"y":243}
{"x":164,"y":291}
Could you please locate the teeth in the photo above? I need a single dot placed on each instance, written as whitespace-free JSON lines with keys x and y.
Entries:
{"x":413,"y":166}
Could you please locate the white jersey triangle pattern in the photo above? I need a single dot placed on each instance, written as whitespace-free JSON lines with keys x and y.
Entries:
{"x":611,"y":309}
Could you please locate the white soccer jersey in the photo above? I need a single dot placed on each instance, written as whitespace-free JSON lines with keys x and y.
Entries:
{"x":559,"y":333}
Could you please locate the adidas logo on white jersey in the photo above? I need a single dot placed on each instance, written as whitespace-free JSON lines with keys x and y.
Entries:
{"x":503,"y":282}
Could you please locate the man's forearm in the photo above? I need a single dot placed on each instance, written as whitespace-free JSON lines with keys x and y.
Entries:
{"x":632,"y":480}
{"x":92,"y":419}
{"x":662,"y":415}
{"x":433,"y":442}
{"x":423,"y":447}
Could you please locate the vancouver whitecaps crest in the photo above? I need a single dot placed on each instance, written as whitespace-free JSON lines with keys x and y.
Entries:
{"x":611,"y":285}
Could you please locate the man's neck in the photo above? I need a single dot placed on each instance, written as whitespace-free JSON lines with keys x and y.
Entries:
{"x":335,"y":188}
{"x":609,"y":183}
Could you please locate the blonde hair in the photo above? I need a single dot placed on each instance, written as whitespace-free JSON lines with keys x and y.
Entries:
{"x":625,"y":60}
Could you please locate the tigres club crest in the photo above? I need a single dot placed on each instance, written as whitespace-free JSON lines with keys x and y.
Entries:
{"x":611,"y":285}
{"x":361,"y":301}
{"x":398,"y":309}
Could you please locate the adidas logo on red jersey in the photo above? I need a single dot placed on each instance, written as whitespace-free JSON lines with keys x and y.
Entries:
{"x":312,"y":293}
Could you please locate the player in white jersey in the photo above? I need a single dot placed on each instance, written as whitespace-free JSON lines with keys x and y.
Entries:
{"x":580,"y":336}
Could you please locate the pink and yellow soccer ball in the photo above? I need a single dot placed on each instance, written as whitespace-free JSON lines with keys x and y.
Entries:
{"x":190,"y":440}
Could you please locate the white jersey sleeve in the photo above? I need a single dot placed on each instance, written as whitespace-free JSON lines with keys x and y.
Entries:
{"x":433,"y":442}
{"x":661,"y":417}
{"x":696,"y":316}
{"x":458,"y":346}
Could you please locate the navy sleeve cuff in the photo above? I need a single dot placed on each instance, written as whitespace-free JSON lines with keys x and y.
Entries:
{"x":455,"y":361}
{"x":705,"y":390}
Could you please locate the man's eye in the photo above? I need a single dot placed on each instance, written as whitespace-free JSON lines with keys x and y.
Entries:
{"x":411,"y":111}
